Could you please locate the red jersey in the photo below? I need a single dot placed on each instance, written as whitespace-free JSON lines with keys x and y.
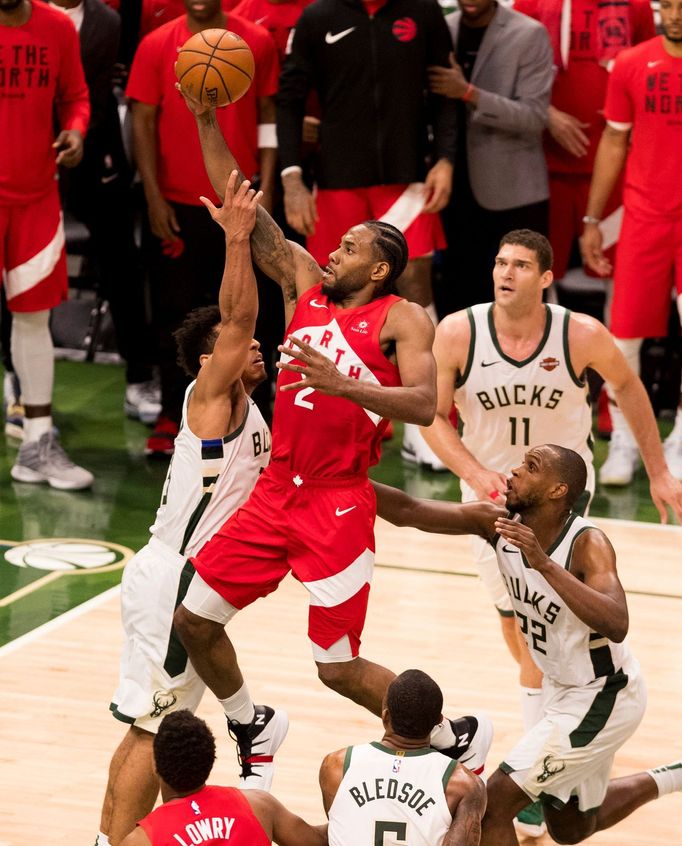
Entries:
{"x":324,"y":436}
{"x":219,"y":815}
{"x":580,"y":88}
{"x":40,"y":69}
{"x":645,"y":92}
{"x":180,"y":166}
{"x":156,"y":13}
{"x":278,"y":18}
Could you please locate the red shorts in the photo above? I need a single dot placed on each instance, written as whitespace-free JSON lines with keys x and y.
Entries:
{"x":567,"y":204}
{"x":321,"y":531}
{"x":32,"y":254}
{"x":648,"y":268}
{"x":400,"y":205}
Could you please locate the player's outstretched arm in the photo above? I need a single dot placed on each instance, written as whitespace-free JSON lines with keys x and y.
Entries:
{"x":430,"y":515}
{"x":450,"y":350}
{"x":280,"y":824}
{"x":287,"y":263}
{"x":137,"y":837}
{"x":590,"y":587}
{"x":331,"y":773}
{"x":467,"y":798}
{"x":238,"y":302}
{"x":592,"y":345}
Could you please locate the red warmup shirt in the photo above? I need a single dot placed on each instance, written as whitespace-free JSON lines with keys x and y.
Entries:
{"x":645,"y":91}
{"x":217,"y":815}
{"x":325,"y":436}
{"x":40,"y":69}
{"x":278,"y":18}
{"x":580,"y":88}
{"x":180,"y":166}
{"x":156,"y":13}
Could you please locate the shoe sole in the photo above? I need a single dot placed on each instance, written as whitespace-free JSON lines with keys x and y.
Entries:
{"x":264,"y":781}
{"x":529,"y":830}
{"x":32,"y":477}
{"x":134,"y":414}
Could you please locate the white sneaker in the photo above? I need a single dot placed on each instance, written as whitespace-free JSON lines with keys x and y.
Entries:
{"x":143,"y":401}
{"x":473,"y":738}
{"x":530,"y":822}
{"x":621,"y":462}
{"x":672,"y":447}
{"x":257,"y":743}
{"x":44,"y":460}
{"x":417,"y":451}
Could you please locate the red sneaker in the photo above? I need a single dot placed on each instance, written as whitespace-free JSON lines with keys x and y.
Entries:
{"x":604,"y":424}
{"x":161,"y":442}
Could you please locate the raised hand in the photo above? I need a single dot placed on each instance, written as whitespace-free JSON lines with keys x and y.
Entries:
{"x":524,"y":538}
{"x":237,"y":215}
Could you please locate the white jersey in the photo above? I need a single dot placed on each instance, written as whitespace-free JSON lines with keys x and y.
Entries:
{"x":208,"y":480}
{"x":507,"y":406}
{"x":390,"y":798}
{"x":566,"y":650}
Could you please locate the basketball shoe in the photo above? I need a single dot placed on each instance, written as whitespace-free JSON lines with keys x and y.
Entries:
{"x":11,"y":403}
{"x":417,"y":451}
{"x":143,"y":401}
{"x":161,"y":442}
{"x":621,"y":462}
{"x":45,"y":460}
{"x":473,"y":738}
{"x":257,"y":743}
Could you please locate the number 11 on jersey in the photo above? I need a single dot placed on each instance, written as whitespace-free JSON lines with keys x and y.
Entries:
{"x":517,"y":431}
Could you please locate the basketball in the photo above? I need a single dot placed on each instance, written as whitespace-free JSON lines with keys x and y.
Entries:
{"x":215,"y":67}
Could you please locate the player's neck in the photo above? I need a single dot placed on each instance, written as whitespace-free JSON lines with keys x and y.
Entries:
{"x":16,"y":17}
{"x":547,"y":526}
{"x":217,"y":21}
{"x":400,"y":743}
{"x":672,"y":48}
{"x":519,"y":322}
{"x":169,"y":793}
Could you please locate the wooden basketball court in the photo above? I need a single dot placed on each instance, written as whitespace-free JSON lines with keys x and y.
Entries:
{"x":427,"y":610}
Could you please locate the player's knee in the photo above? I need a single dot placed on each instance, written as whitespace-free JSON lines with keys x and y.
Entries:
{"x":564,"y":836}
{"x":335,"y":676}
{"x":192,"y":628}
{"x":568,"y":825}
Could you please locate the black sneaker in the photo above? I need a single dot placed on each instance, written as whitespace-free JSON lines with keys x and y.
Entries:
{"x":473,"y":738}
{"x":257,"y":743}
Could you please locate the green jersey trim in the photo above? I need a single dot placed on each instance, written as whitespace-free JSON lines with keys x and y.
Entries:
{"x":459,"y":382}
{"x":449,"y":770}
{"x":406,"y":753}
{"x":569,"y":366}
{"x":176,"y":658}
{"x":538,"y":349}
{"x":599,"y":711}
{"x":346,"y":759}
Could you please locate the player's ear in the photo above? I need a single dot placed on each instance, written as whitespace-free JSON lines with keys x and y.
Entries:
{"x":203,"y":358}
{"x":547,"y":279}
{"x":559,"y":490}
{"x":380,"y":271}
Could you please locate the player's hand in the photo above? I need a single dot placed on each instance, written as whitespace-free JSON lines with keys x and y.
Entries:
{"x":237,"y":215}
{"x":567,"y":131}
{"x":318,"y":371}
{"x":299,"y":205}
{"x":197,"y":108}
{"x":438,"y":186}
{"x":591,"y":250}
{"x":666,"y":490}
{"x":449,"y":82}
{"x":524,"y":538}
{"x":69,"y":144}
{"x":162,"y":220}
{"x":488,"y":486}
{"x":311,"y":130}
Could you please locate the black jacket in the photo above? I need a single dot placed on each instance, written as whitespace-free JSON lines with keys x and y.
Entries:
{"x":370,"y":76}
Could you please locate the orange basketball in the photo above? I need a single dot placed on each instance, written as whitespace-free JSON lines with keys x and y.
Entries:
{"x":215,"y":67}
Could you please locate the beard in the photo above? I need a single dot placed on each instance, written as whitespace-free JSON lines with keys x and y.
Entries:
{"x":10,"y":5}
{"x":674,"y":39}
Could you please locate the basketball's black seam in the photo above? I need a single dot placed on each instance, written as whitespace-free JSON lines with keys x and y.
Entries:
{"x":208,"y":62}
{"x":208,"y":65}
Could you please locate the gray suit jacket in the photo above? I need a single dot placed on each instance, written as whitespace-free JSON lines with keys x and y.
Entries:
{"x":513,"y":72}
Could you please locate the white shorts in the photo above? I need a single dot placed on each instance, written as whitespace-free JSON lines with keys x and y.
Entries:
{"x":570,"y":751}
{"x":486,"y":560}
{"x":156,"y":676}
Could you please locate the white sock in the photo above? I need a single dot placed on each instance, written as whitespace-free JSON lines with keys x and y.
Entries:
{"x":239,"y":707}
{"x":668,"y":778}
{"x":432,"y":313}
{"x":630,"y":348}
{"x":35,"y":427}
{"x":102,"y":839}
{"x":442,"y":736}
{"x":531,"y":706}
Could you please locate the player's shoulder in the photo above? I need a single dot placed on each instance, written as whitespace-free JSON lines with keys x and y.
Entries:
{"x":585,"y":329}
{"x":404,"y":315}
{"x":521,"y":23}
{"x":53,"y":18}
{"x":170,"y":32}
{"x":633,"y":57}
{"x":456,"y":328}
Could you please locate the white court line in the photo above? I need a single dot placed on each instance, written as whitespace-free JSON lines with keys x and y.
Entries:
{"x":51,"y":625}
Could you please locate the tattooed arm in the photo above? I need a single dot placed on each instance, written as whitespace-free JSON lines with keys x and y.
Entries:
{"x":286,"y":262}
{"x":466,"y":799}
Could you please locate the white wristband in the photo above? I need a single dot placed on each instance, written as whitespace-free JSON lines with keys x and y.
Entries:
{"x":291,"y":169}
{"x":267,"y":135}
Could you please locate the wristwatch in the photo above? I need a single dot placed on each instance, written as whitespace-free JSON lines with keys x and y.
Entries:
{"x":589,"y":219}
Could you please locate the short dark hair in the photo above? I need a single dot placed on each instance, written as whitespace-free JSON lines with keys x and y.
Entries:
{"x":415,"y":704}
{"x":196,"y":336}
{"x":389,"y":245}
{"x":571,"y":469}
{"x":532,"y":241}
{"x":184,"y":751}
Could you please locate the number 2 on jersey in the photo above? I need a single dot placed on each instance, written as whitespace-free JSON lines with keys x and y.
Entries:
{"x":515,"y":429}
{"x":300,"y":398}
